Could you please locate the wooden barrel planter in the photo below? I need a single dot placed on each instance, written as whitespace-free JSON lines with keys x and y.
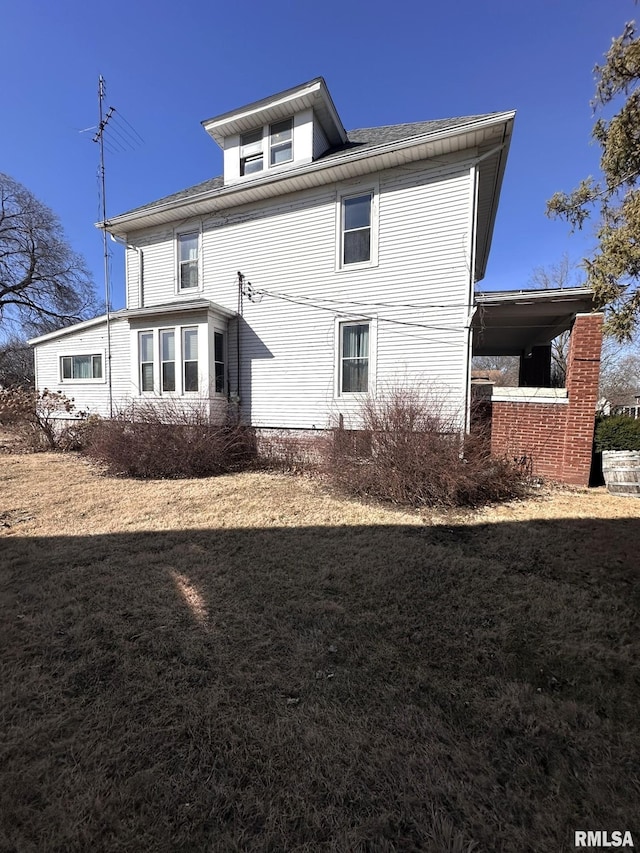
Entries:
{"x":621,"y":470}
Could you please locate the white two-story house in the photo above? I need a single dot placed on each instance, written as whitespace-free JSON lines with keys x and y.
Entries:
{"x":323,"y":266}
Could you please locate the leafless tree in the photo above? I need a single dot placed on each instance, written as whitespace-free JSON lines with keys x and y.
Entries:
{"x":16,"y":364}
{"x":44,"y":284}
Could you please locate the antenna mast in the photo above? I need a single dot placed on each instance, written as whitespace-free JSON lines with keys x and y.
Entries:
{"x":99,"y":138}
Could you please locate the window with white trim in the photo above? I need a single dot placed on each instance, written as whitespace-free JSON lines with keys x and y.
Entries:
{"x":266,"y":147}
{"x":354,"y":357}
{"x":190,"y":359}
{"x":356,"y":228}
{"x":145,"y":349}
{"x":218,"y":362}
{"x":281,"y":142}
{"x":81,"y":368}
{"x":251,"y":154}
{"x":168,"y":359}
{"x":188,"y":260}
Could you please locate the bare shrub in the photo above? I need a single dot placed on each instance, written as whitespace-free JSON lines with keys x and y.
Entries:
{"x":42,"y":420}
{"x":290,"y":453}
{"x":169,"y":442}
{"x":410,"y":451}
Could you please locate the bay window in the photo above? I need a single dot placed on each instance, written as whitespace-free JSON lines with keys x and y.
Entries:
{"x":190,"y":359}
{"x":168,"y":359}
{"x":146,"y":361}
{"x":218,"y":361}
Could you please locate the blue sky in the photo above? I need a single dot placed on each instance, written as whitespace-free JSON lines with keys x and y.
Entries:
{"x":168,"y":66}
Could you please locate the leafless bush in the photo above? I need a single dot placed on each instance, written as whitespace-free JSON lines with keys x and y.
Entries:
{"x":42,"y":420}
{"x":410,"y":451}
{"x":290,"y":453}
{"x":169,"y":442}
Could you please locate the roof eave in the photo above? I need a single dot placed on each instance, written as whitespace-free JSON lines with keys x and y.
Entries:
{"x":120,"y":225}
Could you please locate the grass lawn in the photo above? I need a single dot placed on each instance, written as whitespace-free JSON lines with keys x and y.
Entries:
{"x":250,"y":664}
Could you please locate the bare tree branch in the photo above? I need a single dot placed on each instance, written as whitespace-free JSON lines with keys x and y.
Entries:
{"x":44,"y":284}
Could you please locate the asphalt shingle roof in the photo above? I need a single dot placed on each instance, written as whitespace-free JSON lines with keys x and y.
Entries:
{"x":357,"y":141}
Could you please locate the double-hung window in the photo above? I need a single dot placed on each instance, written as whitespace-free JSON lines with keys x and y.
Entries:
{"x":356,"y":228}
{"x":168,"y":359}
{"x":266,"y":147}
{"x":218,"y":361}
{"x":145,"y":348}
{"x":281,"y":142}
{"x":190,"y":359}
{"x":251,"y":154}
{"x":354,"y":358}
{"x":188,"y":261}
{"x":81,"y":367}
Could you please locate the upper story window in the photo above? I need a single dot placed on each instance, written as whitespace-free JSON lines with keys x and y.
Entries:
{"x":356,"y":228}
{"x":188,"y":260}
{"x":251,"y":154}
{"x":81,"y":367}
{"x":281,"y":142}
{"x":261,"y":150}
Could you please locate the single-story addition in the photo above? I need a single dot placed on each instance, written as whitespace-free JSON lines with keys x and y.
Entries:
{"x":323,"y":266}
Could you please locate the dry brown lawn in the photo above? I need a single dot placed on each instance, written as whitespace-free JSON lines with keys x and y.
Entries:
{"x":249,"y":663}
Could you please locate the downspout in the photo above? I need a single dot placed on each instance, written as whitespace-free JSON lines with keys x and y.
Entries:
{"x":238,"y":326}
{"x":472,"y":276}
{"x":470,"y":303}
{"x":121,"y":242}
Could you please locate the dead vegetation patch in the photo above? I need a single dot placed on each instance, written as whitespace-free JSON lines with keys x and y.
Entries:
{"x":248,"y":663}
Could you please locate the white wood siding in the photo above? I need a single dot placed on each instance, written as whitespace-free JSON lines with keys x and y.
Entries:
{"x":320,"y":143}
{"x":90,"y":396}
{"x":289,"y":339}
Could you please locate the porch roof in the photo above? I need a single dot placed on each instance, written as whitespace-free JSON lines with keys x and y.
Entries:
{"x":508,"y":322}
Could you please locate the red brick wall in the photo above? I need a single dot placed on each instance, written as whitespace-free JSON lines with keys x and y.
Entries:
{"x":556,"y":438}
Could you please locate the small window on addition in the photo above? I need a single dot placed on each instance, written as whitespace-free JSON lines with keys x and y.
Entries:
{"x":281,"y":142}
{"x":251,"y":155}
{"x":188,"y":260}
{"x":81,"y":367}
{"x":354,"y":367}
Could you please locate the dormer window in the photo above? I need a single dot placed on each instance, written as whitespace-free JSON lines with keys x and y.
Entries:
{"x":251,"y":155}
{"x":277,"y":140}
{"x":281,"y":142}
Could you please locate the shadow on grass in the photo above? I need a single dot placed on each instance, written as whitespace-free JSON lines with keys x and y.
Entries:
{"x":357,"y":688}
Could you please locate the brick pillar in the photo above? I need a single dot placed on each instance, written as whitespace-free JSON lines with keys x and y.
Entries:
{"x":583,"y":374}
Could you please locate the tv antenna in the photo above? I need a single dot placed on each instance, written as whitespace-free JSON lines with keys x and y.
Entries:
{"x":99,"y":138}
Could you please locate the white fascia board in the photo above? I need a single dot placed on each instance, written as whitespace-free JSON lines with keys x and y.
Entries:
{"x":179,"y":308}
{"x":524,"y":297}
{"x":67,"y":330}
{"x":118,"y":225}
{"x":227,"y":125}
